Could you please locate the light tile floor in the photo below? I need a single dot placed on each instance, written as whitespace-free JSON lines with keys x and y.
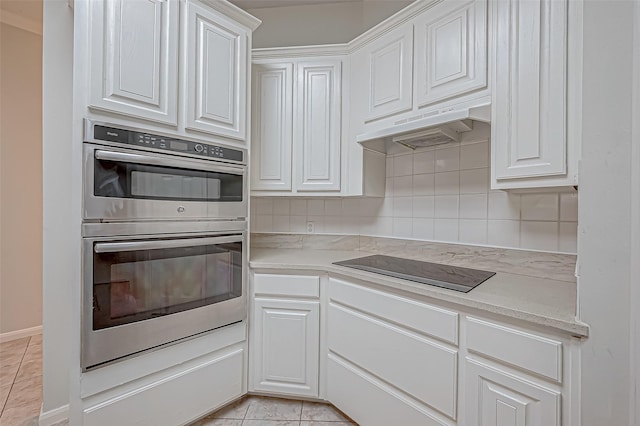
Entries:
{"x":263,"y":411}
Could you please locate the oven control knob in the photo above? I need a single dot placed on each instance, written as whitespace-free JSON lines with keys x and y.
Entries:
{"x":180,"y":209}
{"x":199,"y":148}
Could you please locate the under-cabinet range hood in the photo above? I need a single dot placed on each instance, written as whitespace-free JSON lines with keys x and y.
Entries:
{"x":424,"y":131}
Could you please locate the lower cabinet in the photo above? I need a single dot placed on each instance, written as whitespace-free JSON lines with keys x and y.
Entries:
{"x":498,"y":398}
{"x":285,"y":335}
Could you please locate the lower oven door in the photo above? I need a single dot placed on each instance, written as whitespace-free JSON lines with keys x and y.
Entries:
{"x":142,"y":293}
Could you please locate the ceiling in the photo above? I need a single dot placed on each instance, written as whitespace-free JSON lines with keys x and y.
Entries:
{"x":261,"y":4}
{"x":30,"y":10}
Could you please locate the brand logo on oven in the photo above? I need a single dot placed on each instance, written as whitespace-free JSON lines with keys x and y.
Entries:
{"x":181,"y":209}
{"x":112,"y":134}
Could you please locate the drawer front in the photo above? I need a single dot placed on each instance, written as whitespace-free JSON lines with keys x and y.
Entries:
{"x":370,"y":402}
{"x":426,"y":319}
{"x":425,"y":370}
{"x":528,"y":351}
{"x":286,"y":285}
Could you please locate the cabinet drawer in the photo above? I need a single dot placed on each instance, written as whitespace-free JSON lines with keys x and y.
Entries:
{"x":425,"y":370}
{"x":286,"y":285}
{"x":528,"y":351}
{"x":426,"y":319}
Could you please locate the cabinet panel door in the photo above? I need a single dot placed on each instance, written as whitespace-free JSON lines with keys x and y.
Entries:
{"x":390,"y":74}
{"x":528,"y":130}
{"x":286,"y":346}
{"x":216,"y":64}
{"x":134,"y":58}
{"x":317,"y":125}
{"x":451,"y":51}
{"x":496,"y":398}
{"x":272,"y":126}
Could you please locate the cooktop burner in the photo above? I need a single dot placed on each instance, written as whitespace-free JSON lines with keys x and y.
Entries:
{"x":446,"y":276}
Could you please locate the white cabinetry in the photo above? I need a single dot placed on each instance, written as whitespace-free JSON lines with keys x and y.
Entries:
{"x":389,"y":62}
{"x":216,"y":66}
{"x":272,"y":127}
{"x":530,"y":126}
{"x":297,"y":127}
{"x":134,"y":58}
{"x":451,"y":51}
{"x":285,"y":332}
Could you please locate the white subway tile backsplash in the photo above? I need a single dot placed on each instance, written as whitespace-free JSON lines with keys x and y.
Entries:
{"x":473,"y":206}
{"x":422,"y":229}
{"x":402,"y":227}
{"x":424,"y":162}
{"x":423,"y":184}
{"x":446,"y":206}
{"x":539,"y":235}
{"x":439,"y":194}
{"x":569,"y":207}
{"x":445,"y":229}
{"x":281,"y":206}
{"x":403,"y":207}
{"x":474,"y":181}
{"x":447,"y":183}
{"x":403,"y":186}
{"x":403,"y":165}
{"x":540,"y":207}
{"x":503,"y":233}
{"x":504,"y":205}
{"x":423,"y":206}
{"x":448,"y":159}
{"x":473,"y":231}
{"x":474,"y":156}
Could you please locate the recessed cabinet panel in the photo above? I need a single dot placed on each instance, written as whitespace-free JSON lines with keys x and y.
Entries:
{"x":390,"y":72}
{"x":286,"y":346}
{"x":134,"y":61}
{"x":317,"y":129}
{"x":529,"y":105}
{"x":272,"y":126}
{"x":451,"y":51}
{"x":496,"y":398}
{"x":216,"y":80}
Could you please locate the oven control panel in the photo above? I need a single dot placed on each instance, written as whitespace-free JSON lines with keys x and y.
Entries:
{"x":149,"y":140}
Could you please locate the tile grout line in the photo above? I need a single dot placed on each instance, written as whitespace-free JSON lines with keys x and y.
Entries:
{"x":13,"y":382}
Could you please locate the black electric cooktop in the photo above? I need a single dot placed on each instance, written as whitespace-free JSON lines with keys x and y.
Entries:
{"x":446,"y":276}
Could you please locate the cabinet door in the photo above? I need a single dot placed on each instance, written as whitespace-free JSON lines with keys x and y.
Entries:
{"x":496,"y":398}
{"x":286,"y":346}
{"x":272,"y":126}
{"x":134,"y":58}
{"x":390,"y":73}
{"x":317,"y":125}
{"x":529,"y":112}
{"x":216,"y":73}
{"x":451,"y":51}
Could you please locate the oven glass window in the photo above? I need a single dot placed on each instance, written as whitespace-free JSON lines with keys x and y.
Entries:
{"x":131,"y":286}
{"x":129,"y":180}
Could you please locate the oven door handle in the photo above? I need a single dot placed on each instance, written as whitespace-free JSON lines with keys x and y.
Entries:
{"x":164,"y":244}
{"x":160,"y":161}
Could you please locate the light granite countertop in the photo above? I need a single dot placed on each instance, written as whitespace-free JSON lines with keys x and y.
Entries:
{"x":541,"y":301}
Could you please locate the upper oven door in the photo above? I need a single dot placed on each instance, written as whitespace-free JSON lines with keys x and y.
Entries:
{"x":123,"y":184}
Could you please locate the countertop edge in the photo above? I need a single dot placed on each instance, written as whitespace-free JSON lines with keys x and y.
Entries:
{"x":574,"y":328}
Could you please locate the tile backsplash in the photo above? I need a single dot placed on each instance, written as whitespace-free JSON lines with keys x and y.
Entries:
{"x":441,"y":194}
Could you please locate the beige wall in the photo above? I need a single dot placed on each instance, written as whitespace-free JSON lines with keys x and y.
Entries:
{"x":327,"y":23}
{"x":20,"y":179}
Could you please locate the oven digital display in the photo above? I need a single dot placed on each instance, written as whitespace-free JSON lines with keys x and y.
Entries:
{"x":179,"y":145}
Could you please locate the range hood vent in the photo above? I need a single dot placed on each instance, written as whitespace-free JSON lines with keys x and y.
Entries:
{"x":426,"y":131}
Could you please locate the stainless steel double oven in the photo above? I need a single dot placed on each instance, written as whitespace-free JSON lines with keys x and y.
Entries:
{"x":164,"y":240}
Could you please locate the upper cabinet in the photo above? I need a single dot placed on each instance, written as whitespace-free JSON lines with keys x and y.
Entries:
{"x":297,"y":126}
{"x":177,"y":64}
{"x":216,"y":67}
{"x":451,"y":51}
{"x":134,"y":58}
{"x":389,"y":61}
{"x":529,"y":99}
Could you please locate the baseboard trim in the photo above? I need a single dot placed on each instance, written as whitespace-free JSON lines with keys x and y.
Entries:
{"x":19,"y":334}
{"x":54,"y":416}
